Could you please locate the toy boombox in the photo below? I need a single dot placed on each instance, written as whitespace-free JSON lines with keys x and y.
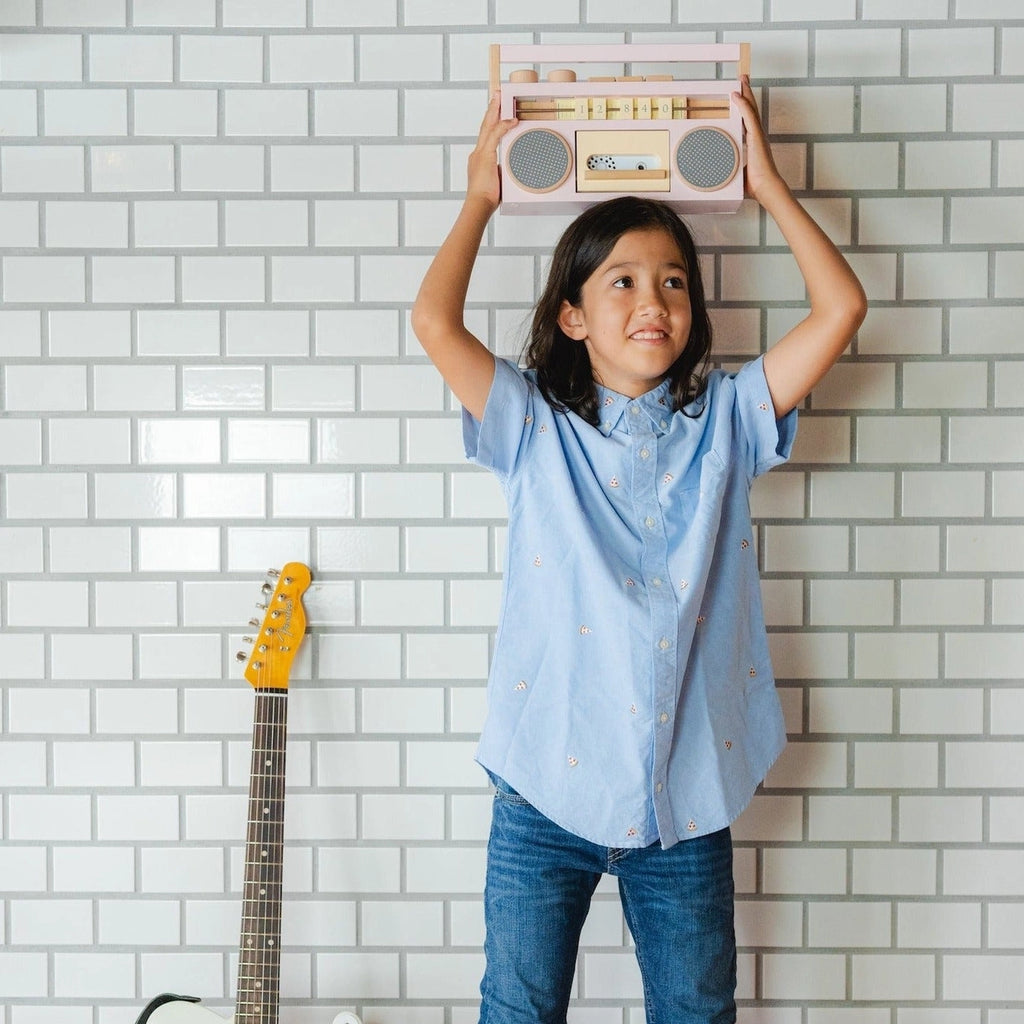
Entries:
{"x":579,"y":142}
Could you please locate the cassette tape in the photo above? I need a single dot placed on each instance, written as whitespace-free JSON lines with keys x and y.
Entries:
{"x":580,"y":141}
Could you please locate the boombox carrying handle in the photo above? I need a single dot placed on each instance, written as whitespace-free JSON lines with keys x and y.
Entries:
{"x":582,"y":53}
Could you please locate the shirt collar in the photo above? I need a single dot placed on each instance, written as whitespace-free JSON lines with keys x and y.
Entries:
{"x":613,"y":408}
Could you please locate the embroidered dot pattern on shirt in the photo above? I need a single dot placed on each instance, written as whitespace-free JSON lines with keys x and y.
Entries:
{"x":700,"y":619}
{"x":573,"y":761}
{"x":609,"y":400}
{"x":683,"y":584}
{"x":543,"y":429}
{"x":584,"y":630}
{"x":630,"y":582}
{"x":753,"y":671}
{"x":631,"y":833}
{"x":537,"y":561}
{"x":691,"y":825}
{"x":763,"y":407}
{"x":744,"y":544}
{"x":521,"y":685}
{"x":614,"y":482}
{"x":528,"y":420}
{"x":632,"y":709}
{"x":728,"y":744}
{"x":667,"y":478}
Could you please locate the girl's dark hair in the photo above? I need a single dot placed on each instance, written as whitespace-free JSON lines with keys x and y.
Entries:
{"x":564,"y":373}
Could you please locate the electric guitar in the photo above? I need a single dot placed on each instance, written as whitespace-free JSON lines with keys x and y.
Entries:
{"x":259,"y":957}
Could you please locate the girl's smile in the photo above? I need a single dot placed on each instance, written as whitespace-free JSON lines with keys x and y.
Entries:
{"x":634,"y":314}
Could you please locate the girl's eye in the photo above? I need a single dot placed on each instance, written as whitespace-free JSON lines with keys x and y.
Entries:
{"x":676,"y":282}
{"x":622,"y":282}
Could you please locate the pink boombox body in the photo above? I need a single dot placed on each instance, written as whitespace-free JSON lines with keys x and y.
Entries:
{"x":580,"y":142}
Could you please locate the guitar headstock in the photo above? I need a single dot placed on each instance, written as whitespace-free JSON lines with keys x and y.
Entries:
{"x":275,"y":646}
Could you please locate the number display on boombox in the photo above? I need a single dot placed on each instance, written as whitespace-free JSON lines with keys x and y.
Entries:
{"x":579,"y":142}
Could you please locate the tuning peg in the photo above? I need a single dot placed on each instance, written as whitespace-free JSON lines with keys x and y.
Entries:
{"x":241,"y":656}
{"x":273,"y":573}
{"x":260,"y":606}
{"x":267,"y":588}
{"x":254,"y":622}
{"x":248,"y":640}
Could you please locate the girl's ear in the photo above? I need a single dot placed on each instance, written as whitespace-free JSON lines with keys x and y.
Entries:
{"x":570,"y":320}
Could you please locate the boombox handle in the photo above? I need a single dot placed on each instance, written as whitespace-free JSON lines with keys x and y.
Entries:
{"x":717,"y":53}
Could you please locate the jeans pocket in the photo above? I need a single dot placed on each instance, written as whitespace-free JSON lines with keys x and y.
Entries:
{"x":503,"y":791}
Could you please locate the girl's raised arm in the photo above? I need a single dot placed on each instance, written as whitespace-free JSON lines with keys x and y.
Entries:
{"x":437,"y":315}
{"x":795,"y":364}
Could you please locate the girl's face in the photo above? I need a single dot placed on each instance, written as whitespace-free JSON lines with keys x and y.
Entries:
{"x":634,"y":313}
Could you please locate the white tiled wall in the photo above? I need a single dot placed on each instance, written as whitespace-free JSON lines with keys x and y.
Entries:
{"x":215,"y":215}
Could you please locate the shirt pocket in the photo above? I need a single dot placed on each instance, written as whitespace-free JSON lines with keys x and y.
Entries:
{"x":699,"y":500}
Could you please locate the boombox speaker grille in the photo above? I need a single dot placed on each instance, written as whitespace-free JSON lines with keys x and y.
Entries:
{"x":707,"y":159}
{"x":539,"y":160}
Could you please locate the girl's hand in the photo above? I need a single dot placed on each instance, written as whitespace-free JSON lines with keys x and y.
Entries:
{"x":483,"y":178}
{"x":762,"y":174}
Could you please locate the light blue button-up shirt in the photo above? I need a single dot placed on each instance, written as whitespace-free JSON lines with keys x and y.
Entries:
{"x":631,"y":697}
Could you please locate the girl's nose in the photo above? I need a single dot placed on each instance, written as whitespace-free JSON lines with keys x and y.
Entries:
{"x":650,"y":303}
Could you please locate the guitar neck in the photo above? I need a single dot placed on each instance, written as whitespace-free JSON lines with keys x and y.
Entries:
{"x":259,"y":961}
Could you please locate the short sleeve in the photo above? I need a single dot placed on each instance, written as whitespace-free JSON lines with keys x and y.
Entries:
{"x":497,"y":440}
{"x":769,"y":440}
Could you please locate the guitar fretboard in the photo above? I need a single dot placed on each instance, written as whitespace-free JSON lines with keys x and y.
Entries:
{"x":259,"y":962}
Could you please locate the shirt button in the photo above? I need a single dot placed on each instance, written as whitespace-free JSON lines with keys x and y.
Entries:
{"x":663,"y":717}
{"x":649,"y":522}
{"x":658,"y":788}
{"x":656,"y":581}
{"x":645,"y":453}
{"x":664,"y":643}
{"x":634,"y":411}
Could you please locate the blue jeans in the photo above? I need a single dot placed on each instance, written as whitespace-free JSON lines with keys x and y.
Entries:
{"x":678,"y":904}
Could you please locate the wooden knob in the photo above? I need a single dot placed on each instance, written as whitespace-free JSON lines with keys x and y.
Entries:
{"x":561,"y":75}
{"x":524,"y":75}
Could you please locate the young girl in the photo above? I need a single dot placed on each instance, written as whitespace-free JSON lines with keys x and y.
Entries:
{"x":632,"y":709}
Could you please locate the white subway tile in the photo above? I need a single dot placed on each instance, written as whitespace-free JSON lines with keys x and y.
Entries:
{"x":856,"y":165}
{"x":221,"y":58}
{"x":851,"y":709}
{"x":252,"y":549}
{"x":386,"y":168}
{"x":136,"y":604}
{"x":223,"y":278}
{"x":268,"y":332}
{"x":182,"y":870}
{"x":266,"y":222}
{"x":133,"y":279}
{"x":857,"y":53}
{"x":858,"y":923}
{"x":174,"y":112}
{"x":987,"y":108}
{"x":179,"y":657}
{"x":178,"y":332}
{"x":42,"y":279}
{"x":18,"y":110}
{"x":355,"y":112}
{"x":899,"y":439}
{"x":311,"y":58}
{"x":312,"y":278}
{"x":436,"y":869}
{"x":36,"y":711}
{"x":977,"y":977}
{"x":47,"y":603}
{"x":366,"y":223}
{"x":474,"y":602}
{"x":99,"y":225}
{"x":806,"y":548}
{"x":943,"y":494}
{"x":133,"y":388}
{"x":403,"y":817}
{"x":942,"y":602}
{"x":358,"y":975}
{"x":94,"y":869}
{"x":402,"y":495}
{"x":810,"y":765}
{"x":268,"y":440}
{"x":358,"y":548}
{"x":221,"y":168}
{"x":401,"y":710}
{"x":419,"y":56}
{"x":90,"y":549}
{"x":49,"y":817}
{"x":401,"y":388}
{"x":810,"y":655}
{"x":266,"y":112}
{"x":340,"y":13}
{"x":173,"y":224}
{"x":323,"y":167}
{"x":903,"y":108}
{"x":359,"y":441}
{"x":427,"y":114}
{"x":810,"y":110}
{"x":648,"y":11}
{"x":99,"y":656}
{"x":130,"y":58}
{"x":846,"y":818}
{"x":264,"y":13}
{"x":46,"y":57}
{"x":933,"y":925}
{"x":882,"y":871}
{"x":852,"y":602}
{"x":176,"y":14}
{"x":68,"y":13}
{"x":20,"y":335}
{"x":74,"y":441}
{"x":21,"y":440}
{"x":803,"y":975}
{"x":50,"y":922}
{"x":21,"y":549}
{"x":47,"y":495}
{"x":395,"y":923}
{"x":179,"y":549}
{"x":940,"y":819}
{"x":401,"y":602}
{"x":223,"y":387}
{"x":896,"y":655}
{"x":434,"y":440}
{"x":181,"y":440}
{"x":131,"y":168}
{"x":898,"y":977}
{"x":96,"y":975}
{"x":358,"y":764}
{"x":447,"y":549}
{"x":313,"y":495}
{"x":314,"y":388}
{"x":904,"y":221}
{"x":137,"y":818}
{"x":85,"y":112}
{"x":354,"y":869}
